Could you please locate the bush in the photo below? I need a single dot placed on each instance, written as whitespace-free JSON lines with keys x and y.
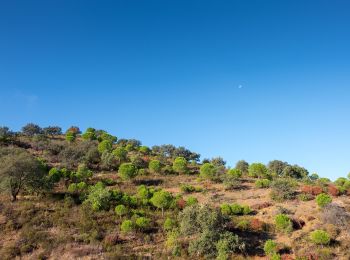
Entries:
{"x":312,"y":190}
{"x":258,"y":170}
{"x":180,"y":165}
{"x":127,"y":226}
{"x":320,"y":237}
{"x":283,"y":223}
{"x":143,"y":223}
{"x":187,"y":188}
{"x":305,"y":197}
{"x":169,"y":224}
{"x":121,"y":210}
{"x":127,"y":171}
{"x":270,"y":247}
{"x":225,"y":209}
{"x":323,"y":199}
{"x":207,"y":171}
{"x":227,"y":244}
{"x":333,"y":190}
{"x":235,"y":173}
{"x":236,"y":209}
{"x":283,"y":189}
{"x":105,"y":145}
{"x":263,"y":183}
{"x":155,"y":166}
{"x":98,"y":197}
{"x":191,"y":201}
{"x":243,"y":225}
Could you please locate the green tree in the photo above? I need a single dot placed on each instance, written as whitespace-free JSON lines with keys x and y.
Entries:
{"x":162,"y":200}
{"x":120,"y":153}
{"x":90,"y":134}
{"x":143,"y":223}
{"x":243,"y":166}
{"x":71,"y":137}
{"x":276,"y":167}
{"x":295,"y":172}
{"x":104,"y":146}
{"x":235,"y":173}
{"x":52,"y":130}
{"x":207,"y":171}
{"x":98,"y":197}
{"x":127,"y":171}
{"x":180,"y":165}
{"x":258,"y":170}
{"x":127,"y":226}
{"x":155,"y":166}
{"x":323,"y":200}
{"x":20,"y":171}
{"x":169,"y":224}
{"x":6,"y":136}
{"x":144,"y":150}
{"x":121,"y":210}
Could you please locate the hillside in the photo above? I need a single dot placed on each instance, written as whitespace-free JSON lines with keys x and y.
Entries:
{"x":92,"y":195}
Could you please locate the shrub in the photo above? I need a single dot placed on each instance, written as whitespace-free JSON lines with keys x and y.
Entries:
{"x":143,"y":223}
{"x":283,"y":223}
{"x":313,"y":190}
{"x":187,"y":188}
{"x":155,"y":166}
{"x":305,"y":197}
{"x":207,"y":171}
{"x":320,"y":237}
{"x":263,"y":183}
{"x":236,"y":209}
{"x":180,"y":165}
{"x":283,"y":189}
{"x":243,"y":225}
{"x":105,"y":145}
{"x":169,"y":224}
{"x":270,"y":247}
{"x":127,"y":171}
{"x":258,"y":170}
{"x":323,"y":199}
{"x":246,"y":210}
{"x":333,"y":190}
{"x":55,"y":175}
{"x":98,"y":197}
{"x":225,"y":209}
{"x":235,"y":173}
{"x":227,"y":244}
{"x":127,"y":226}
{"x":121,"y":210}
{"x":191,"y":201}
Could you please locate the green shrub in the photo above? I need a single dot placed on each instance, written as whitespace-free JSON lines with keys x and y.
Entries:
{"x":246,"y":210}
{"x":270,"y":247}
{"x":162,"y":200}
{"x":180,"y":165}
{"x":257,"y":170}
{"x":320,"y":237}
{"x":283,"y":189}
{"x":305,"y":197}
{"x":127,"y":226}
{"x":169,"y":224}
{"x":143,"y":223}
{"x":323,"y":199}
{"x":243,"y":225}
{"x":207,"y":171}
{"x":191,"y":201}
{"x":236,"y":209}
{"x":283,"y":223}
{"x":127,"y":171}
{"x":105,"y":145}
{"x":98,"y":197}
{"x":262,"y":183}
{"x":186,"y":188}
{"x":226,"y":209}
{"x":235,"y":173}
{"x":155,"y":166}
{"x":121,"y":210}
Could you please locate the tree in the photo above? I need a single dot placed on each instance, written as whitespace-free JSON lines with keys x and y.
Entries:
{"x":242,"y":166}
{"x":104,"y":146}
{"x":295,"y":171}
{"x":235,"y":173}
{"x":162,"y":199}
{"x":121,"y":210}
{"x":6,"y":135}
{"x":83,"y":173}
{"x":103,"y":135}
{"x":180,"y":165}
{"x":155,"y":166}
{"x":127,"y":171}
{"x":218,"y":161}
{"x":127,"y":226}
{"x":144,"y":150}
{"x":143,"y":223}
{"x":276,"y":167}
{"x":120,"y":153}
{"x":314,"y":177}
{"x":90,"y":134}
{"x":98,"y":197}
{"x":52,"y":130}
{"x":31,"y":129}
{"x":74,"y":129}
{"x":20,"y":171}
{"x":283,"y":223}
{"x":207,"y":171}
{"x":258,"y":170}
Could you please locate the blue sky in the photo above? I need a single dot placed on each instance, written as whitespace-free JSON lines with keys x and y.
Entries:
{"x":253,"y":80}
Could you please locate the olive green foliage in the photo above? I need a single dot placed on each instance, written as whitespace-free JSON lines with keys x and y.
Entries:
{"x":145,"y":194}
{"x":162,"y":200}
{"x":144,"y":150}
{"x":120,"y":154}
{"x":55,"y":174}
{"x":90,"y":134}
{"x":155,"y":166}
{"x":270,"y":247}
{"x":180,"y":165}
{"x":323,"y":200}
{"x":235,"y":173}
{"x":20,"y":171}
{"x":83,"y":173}
{"x":169,"y":224}
{"x":283,"y":223}
{"x":98,"y":197}
{"x":191,"y":201}
{"x":258,"y":170}
{"x":283,"y":189}
{"x":121,"y":210}
{"x":295,"y":172}
{"x":105,"y":145}
{"x":77,"y":187}
{"x":127,"y":226}
{"x":235,"y":209}
{"x":243,"y":166}
{"x":127,"y":171}
{"x":31,"y":129}
{"x":320,"y":237}
{"x":71,"y":137}
{"x":262,"y":183}
{"x":143,"y":223}
{"x":276,"y":167}
{"x":207,"y":171}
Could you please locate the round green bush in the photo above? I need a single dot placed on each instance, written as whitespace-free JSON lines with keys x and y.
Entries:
{"x":235,"y":173}
{"x":143,"y":223}
{"x":127,"y":171}
{"x":270,"y":247}
{"x":127,"y":226}
{"x":236,"y":209}
{"x":283,"y":223}
{"x":154,"y":166}
{"x":207,"y":171}
{"x":323,"y":199}
{"x":262,"y":183}
{"x":320,"y":237}
{"x":121,"y":210}
{"x":225,"y":209}
{"x":169,"y":224}
{"x":191,"y":201}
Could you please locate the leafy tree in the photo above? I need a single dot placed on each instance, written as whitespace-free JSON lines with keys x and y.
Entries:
{"x":235,"y":173}
{"x":314,"y":177}
{"x":144,"y":150}
{"x":83,"y":173}
{"x":270,"y":247}
{"x":90,"y":134}
{"x":127,"y":171}
{"x":283,"y":223}
{"x":98,"y":197}
{"x":320,"y":237}
{"x":226,"y":209}
{"x":243,"y":166}
{"x":52,"y":130}
{"x":227,"y":244}
{"x":323,"y":200}
{"x":218,"y":161}
{"x":191,"y":201}
{"x":20,"y":171}
{"x":180,"y":165}
{"x":276,"y":167}
{"x":127,"y":226}
{"x":155,"y":166}
{"x":104,"y":136}
{"x":108,"y":161}
{"x":295,"y":171}
{"x":207,"y":171}
{"x":104,"y":146}
{"x":121,"y":210}
{"x":120,"y":153}
{"x":162,"y":200}
{"x":31,"y":129}
{"x":258,"y":170}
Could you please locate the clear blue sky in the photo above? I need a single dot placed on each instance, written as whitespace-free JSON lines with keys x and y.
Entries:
{"x":254,"y":80}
